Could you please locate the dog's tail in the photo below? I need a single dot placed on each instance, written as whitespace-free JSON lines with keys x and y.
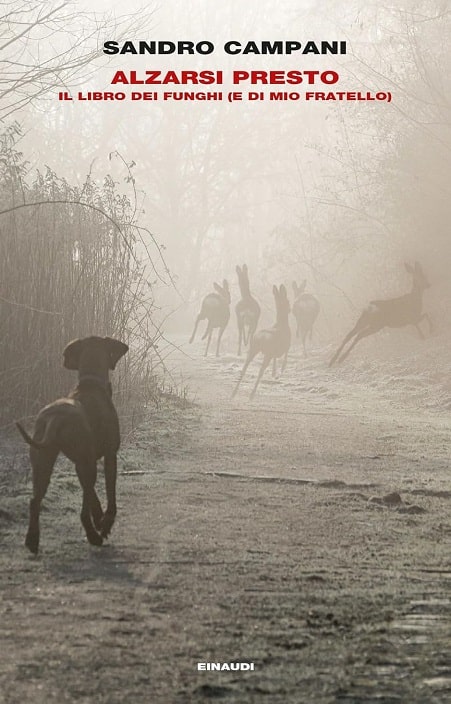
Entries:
{"x":47,"y":440}
{"x":28,"y":438}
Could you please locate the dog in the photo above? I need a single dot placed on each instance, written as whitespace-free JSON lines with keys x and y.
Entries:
{"x":84,"y":427}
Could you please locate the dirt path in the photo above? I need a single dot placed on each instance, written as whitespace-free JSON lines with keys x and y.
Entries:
{"x":246,"y":533}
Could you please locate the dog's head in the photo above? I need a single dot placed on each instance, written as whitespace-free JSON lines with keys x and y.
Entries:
{"x":100,"y":352}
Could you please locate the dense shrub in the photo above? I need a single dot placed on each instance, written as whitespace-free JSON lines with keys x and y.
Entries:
{"x":69,"y":267}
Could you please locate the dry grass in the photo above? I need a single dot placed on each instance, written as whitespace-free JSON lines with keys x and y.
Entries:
{"x":69,"y":270}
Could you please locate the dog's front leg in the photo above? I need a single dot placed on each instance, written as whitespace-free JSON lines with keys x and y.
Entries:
{"x":86,"y":469}
{"x":110,"y":484}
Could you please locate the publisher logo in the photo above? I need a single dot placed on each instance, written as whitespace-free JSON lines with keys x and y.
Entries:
{"x":225,"y":666}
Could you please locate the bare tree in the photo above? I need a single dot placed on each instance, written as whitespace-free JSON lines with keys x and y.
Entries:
{"x":45,"y":45}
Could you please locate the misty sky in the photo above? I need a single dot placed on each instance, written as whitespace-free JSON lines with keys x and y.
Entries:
{"x":339,"y":193}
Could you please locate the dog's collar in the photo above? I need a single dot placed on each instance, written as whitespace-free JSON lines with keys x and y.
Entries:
{"x":97,"y":380}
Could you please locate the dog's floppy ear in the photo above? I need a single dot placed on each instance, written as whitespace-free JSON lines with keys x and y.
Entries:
{"x":71,"y":354}
{"x":116,"y":350}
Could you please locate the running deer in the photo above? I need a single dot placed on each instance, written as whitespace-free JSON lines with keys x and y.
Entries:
{"x":305,"y":310}
{"x":272,"y":343}
{"x":216,"y":309}
{"x":247,"y":309}
{"x":391,"y":312}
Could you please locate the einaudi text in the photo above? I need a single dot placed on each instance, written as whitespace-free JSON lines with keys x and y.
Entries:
{"x":227,"y":666}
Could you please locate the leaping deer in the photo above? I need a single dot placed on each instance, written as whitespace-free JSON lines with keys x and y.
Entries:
{"x":273,"y":343}
{"x":247,"y":309}
{"x":391,"y":312}
{"x":216,"y":309}
{"x":305,"y":311}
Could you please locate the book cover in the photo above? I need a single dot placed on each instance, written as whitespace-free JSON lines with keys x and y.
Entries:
{"x":227,"y":223}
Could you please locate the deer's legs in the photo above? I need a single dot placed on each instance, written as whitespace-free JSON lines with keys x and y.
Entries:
{"x":249,"y":359}
{"x":425,"y":316}
{"x":284,"y":363}
{"x":420,"y":332}
{"x":357,"y":327}
{"x":220,"y":334}
{"x":240,"y":337}
{"x":198,"y":319}
{"x":337,"y":353}
{"x":209,"y":332}
{"x":265,"y":363}
{"x":363,"y":333}
{"x":251,"y":331}
{"x":298,"y":329}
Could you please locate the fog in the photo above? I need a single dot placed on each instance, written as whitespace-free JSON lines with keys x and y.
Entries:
{"x":338,"y":193}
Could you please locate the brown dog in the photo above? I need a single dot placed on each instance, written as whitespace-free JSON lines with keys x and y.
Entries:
{"x":85,"y":427}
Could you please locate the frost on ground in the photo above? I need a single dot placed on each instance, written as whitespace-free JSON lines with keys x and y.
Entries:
{"x":308,"y":531}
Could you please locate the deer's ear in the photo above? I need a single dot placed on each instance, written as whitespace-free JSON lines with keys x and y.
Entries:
{"x":275,"y":291}
{"x":245,"y":268}
{"x":283,"y":291}
{"x":408,"y":268}
{"x":71,"y":354}
{"x":238,"y":269}
{"x":217,"y":287}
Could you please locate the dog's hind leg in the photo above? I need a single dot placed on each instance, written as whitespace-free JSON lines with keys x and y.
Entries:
{"x":42,"y":462}
{"x":87,"y":474}
{"x":96,"y":511}
{"x":110,"y":485}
